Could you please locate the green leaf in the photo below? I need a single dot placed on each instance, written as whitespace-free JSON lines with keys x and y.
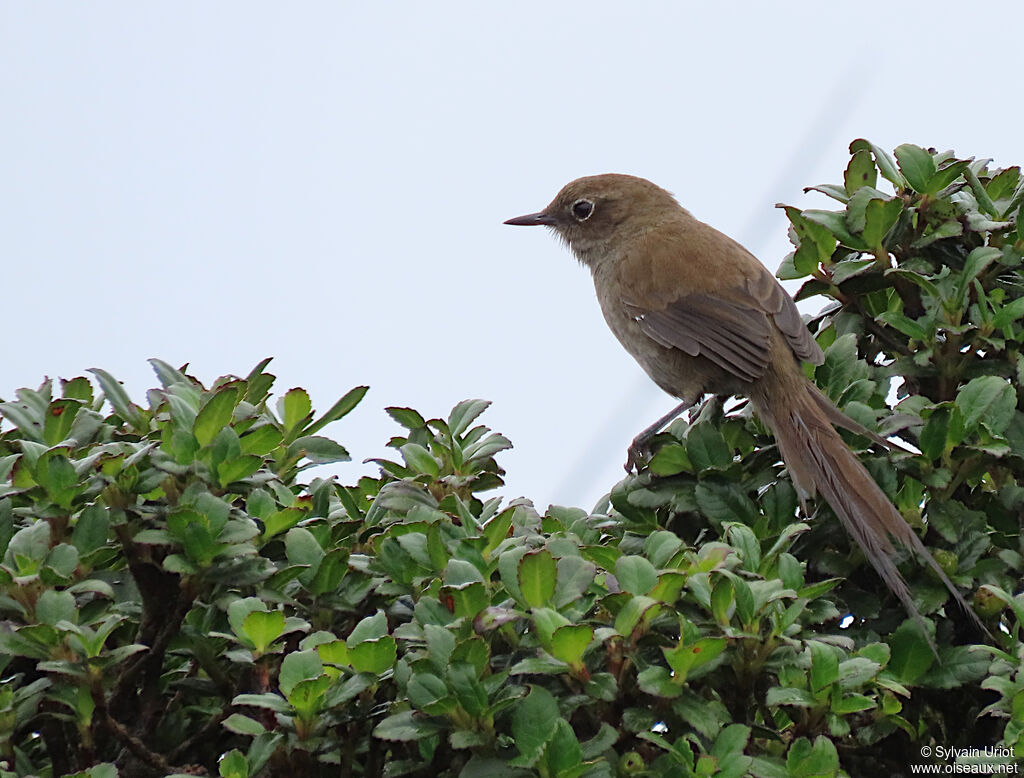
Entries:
{"x":987,"y":399}
{"x":60,"y":416}
{"x":91,"y":528}
{"x":373,"y":656}
{"x":728,"y":749}
{"x":243,"y":725}
{"x":725,"y":501}
{"x":267,"y":700}
{"x":788,"y":695}
{"x":958,"y":665}
{"x":907,"y":326}
{"x":53,"y":606}
{"x":299,"y":666}
{"x":340,"y":409}
{"x":302,"y":548}
{"x":976,"y":262}
{"x":687,"y":657}
{"x":911,"y":653}
{"x":638,"y":609}
{"x":816,"y":242}
{"x":860,"y":172}
{"x":426,"y":690}
{"x":262,"y":628}
{"x":575,"y":575}
{"x":858,"y":670}
{"x":468,"y":690}
{"x":984,"y":201}
{"x":1008,"y":314}
{"x":852,"y":703}
{"x":258,"y":383}
{"x":167,"y":374}
{"x":119,"y":400}
{"x":318,"y":450}
{"x":533,"y":722}
{"x":834,"y":191}
{"x":706,"y":448}
{"x":405,"y":726}
{"x":537,"y":576}
{"x":238,"y":468}
{"x":805,"y":760}
{"x":848,"y":268}
{"x":947,"y":175}
{"x":459,"y":572}
{"x":419,"y":459}
{"x":880,"y":217}
{"x":885,"y":164}
{"x":933,"y":437}
{"x":28,"y":548}
{"x":835,"y":223}
{"x":917,"y":166}
{"x":824,"y":666}
{"x":569,"y":642}
{"x":670,"y":460}
{"x":562,"y":753}
{"x":215,"y":415}
{"x":635,"y":574}
{"x":464,"y":414}
{"x":239,"y":610}
{"x":407,"y":417}
{"x":261,"y":440}
{"x":370,"y":628}
{"x":294,"y":408}
{"x":233,"y":765}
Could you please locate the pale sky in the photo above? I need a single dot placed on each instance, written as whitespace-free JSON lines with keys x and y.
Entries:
{"x":324,"y":182}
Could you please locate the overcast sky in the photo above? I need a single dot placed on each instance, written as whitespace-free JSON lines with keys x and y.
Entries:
{"x":324,"y":183}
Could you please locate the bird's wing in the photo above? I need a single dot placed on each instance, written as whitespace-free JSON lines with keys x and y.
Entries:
{"x":732,"y":327}
{"x":736,"y":338}
{"x":773,"y":300}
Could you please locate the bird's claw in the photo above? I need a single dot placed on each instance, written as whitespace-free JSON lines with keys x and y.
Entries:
{"x":637,"y":456}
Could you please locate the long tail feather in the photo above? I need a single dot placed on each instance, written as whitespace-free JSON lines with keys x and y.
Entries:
{"x":819,"y":460}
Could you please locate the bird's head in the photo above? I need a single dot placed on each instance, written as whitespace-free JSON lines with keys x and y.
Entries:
{"x":592,"y":212}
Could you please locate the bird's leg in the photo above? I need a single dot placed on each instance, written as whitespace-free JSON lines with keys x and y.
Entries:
{"x":640,"y":446}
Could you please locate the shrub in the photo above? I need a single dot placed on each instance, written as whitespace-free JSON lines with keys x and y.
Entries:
{"x":177,"y":598}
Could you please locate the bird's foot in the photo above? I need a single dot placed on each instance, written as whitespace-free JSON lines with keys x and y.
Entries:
{"x":638,"y":453}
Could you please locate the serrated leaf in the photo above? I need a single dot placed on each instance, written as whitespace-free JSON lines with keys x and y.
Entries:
{"x":987,"y":399}
{"x":464,"y":414}
{"x":706,"y":448}
{"x":533,"y":722}
{"x":724,"y":501}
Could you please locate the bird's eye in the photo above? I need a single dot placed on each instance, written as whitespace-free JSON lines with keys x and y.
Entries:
{"x":582,"y":209}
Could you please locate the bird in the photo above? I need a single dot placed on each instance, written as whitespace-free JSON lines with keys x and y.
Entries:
{"x":703,"y":316}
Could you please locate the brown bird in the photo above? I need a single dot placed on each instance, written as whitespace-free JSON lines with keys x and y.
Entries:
{"x":703,"y":316}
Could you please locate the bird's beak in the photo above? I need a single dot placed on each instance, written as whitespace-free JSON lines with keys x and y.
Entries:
{"x":533,"y":220}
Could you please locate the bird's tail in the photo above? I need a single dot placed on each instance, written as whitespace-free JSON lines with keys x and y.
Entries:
{"x":819,"y":461}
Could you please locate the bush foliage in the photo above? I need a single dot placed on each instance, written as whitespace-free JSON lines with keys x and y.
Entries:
{"x":178,"y":598}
